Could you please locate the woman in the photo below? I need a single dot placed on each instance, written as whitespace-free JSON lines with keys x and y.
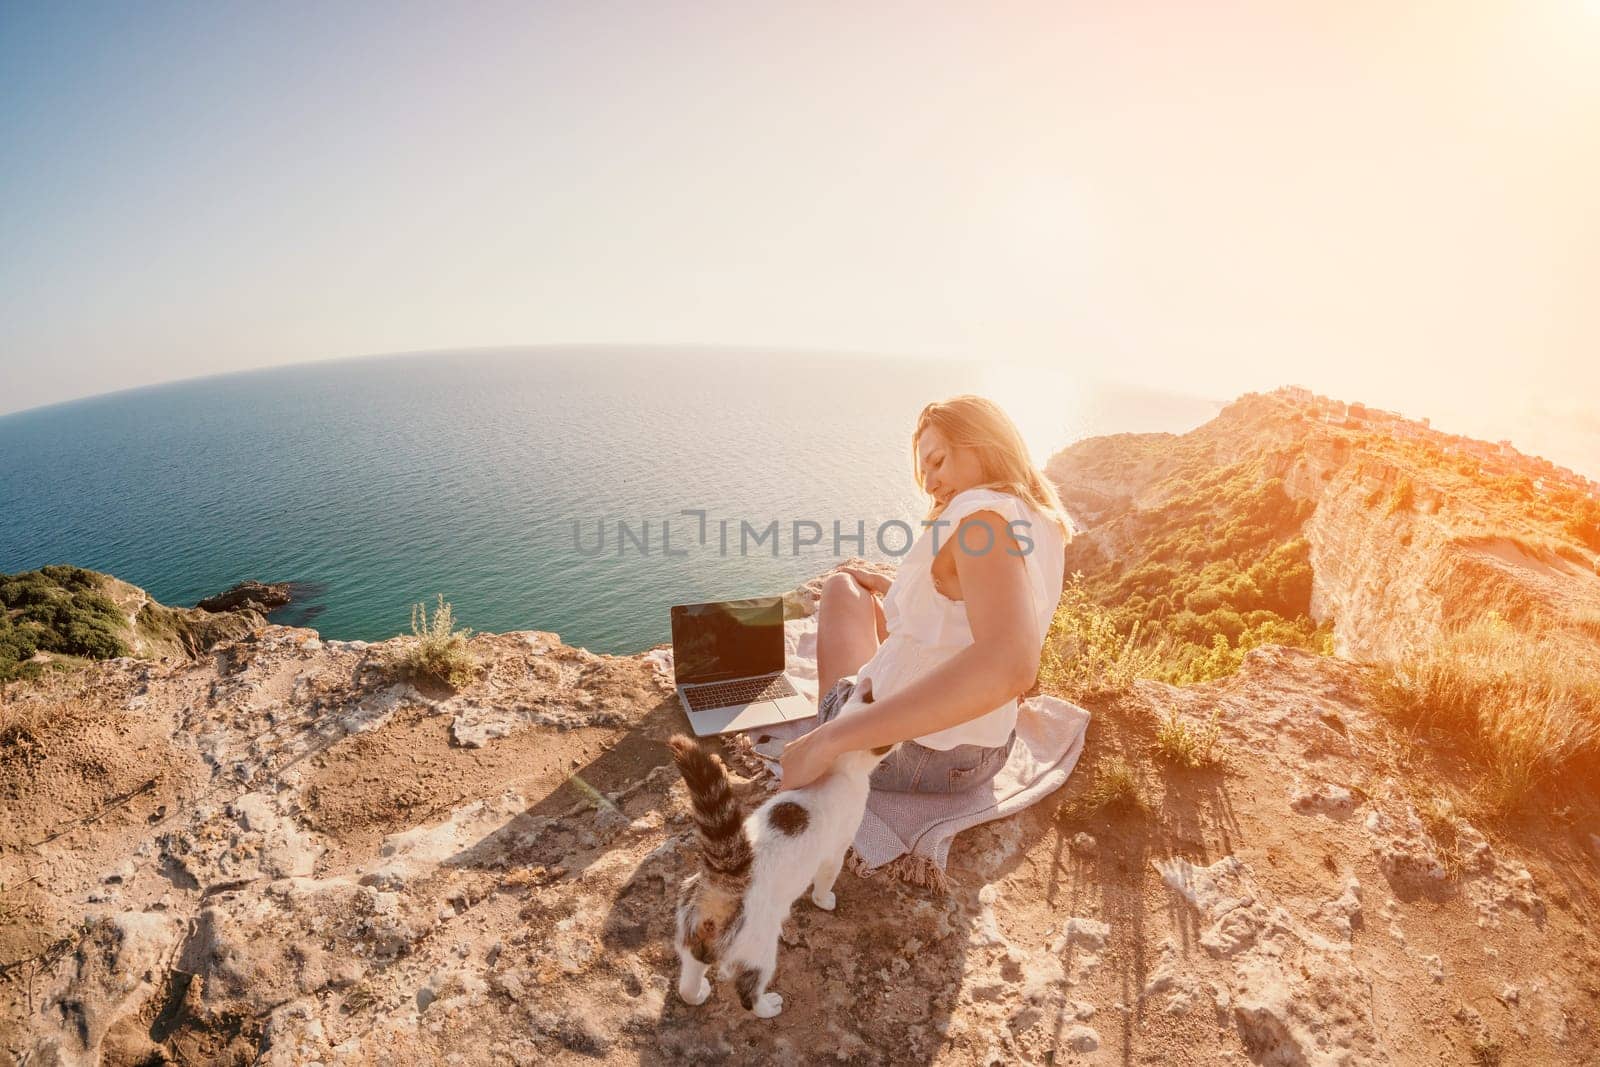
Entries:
{"x":958,"y":634}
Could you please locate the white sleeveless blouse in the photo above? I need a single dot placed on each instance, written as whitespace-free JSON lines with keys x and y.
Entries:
{"x":926,"y":627}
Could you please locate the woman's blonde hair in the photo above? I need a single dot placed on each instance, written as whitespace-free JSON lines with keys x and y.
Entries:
{"x":978,"y":423}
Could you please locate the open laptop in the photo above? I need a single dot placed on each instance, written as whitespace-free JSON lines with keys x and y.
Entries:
{"x":728,"y":664}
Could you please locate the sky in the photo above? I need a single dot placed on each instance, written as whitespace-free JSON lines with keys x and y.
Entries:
{"x":1385,"y":201}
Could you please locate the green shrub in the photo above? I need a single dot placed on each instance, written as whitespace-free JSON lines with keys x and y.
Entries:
{"x":1222,"y":657}
{"x":1584,"y":524}
{"x":84,"y":637}
{"x":17,"y":643}
{"x":57,"y":609}
{"x":1116,"y":787}
{"x":1223,"y":622}
{"x":24,"y":590}
{"x":74,"y":579}
{"x":1187,"y":746}
{"x":1222,"y":558}
{"x":438,"y":651}
{"x":1282,"y":578}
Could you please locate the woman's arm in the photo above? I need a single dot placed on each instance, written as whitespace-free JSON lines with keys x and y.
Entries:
{"x":1001,"y":662}
{"x":971,"y":683}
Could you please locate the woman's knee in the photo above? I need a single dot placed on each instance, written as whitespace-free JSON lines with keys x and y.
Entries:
{"x":846,"y":634}
{"x":840,"y":589}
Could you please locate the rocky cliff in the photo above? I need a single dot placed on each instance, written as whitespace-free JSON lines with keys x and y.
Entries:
{"x":1407,"y":535}
{"x":276,"y":850}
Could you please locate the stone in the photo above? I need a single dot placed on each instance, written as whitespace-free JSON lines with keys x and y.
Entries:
{"x":1091,"y":933}
{"x":1405,"y":852}
{"x":1343,"y":912}
{"x":248,"y":595}
{"x":1325,"y":798}
{"x":1296,"y":996}
{"x":1081,"y":1038}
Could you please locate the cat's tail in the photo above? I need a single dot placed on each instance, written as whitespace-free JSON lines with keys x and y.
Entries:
{"x":718,"y":816}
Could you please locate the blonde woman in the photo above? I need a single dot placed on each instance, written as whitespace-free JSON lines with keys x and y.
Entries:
{"x":957,"y":635}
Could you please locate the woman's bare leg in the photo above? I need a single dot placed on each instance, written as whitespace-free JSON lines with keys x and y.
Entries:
{"x":847,"y":629}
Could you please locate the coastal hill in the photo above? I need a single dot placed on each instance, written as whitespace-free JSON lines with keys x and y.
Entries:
{"x":1338,"y":805}
{"x":1404,"y":531}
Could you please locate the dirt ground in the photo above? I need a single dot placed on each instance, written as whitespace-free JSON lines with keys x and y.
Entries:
{"x":280,"y":853}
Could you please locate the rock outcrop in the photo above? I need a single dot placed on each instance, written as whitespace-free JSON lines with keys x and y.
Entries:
{"x":254,"y":845}
{"x":278,"y":853}
{"x":249,"y":594}
{"x":1403,"y":545}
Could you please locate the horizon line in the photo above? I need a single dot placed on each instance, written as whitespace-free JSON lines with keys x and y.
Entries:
{"x":543,"y":346}
{"x":530,"y":347}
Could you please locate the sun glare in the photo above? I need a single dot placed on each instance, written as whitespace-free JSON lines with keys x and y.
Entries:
{"x":1042,"y":400}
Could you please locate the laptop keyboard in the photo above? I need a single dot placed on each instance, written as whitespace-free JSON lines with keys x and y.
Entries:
{"x":743,"y":691}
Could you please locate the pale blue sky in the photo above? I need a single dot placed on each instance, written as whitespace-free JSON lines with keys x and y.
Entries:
{"x":1382,"y":200}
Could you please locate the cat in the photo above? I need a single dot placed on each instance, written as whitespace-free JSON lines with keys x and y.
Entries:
{"x":753,"y":868}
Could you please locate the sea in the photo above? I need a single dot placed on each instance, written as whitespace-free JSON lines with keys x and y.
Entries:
{"x":581,"y":490}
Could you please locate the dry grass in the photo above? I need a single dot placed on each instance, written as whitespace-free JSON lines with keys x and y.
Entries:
{"x":1486,"y":1051}
{"x":19,"y":901}
{"x":23,"y":731}
{"x":359,"y":997}
{"x":1402,"y":498}
{"x":1587,"y":622}
{"x":1116,"y":787}
{"x":1439,"y":815}
{"x":1083,"y":653}
{"x":1188,"y":746}
{"x":439,"y":651}
{"x":1525,"y":707}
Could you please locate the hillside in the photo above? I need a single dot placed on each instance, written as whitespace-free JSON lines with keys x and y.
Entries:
{"x":280,"y":850}
{"x":60,"y":617}
{"x":1386,"y":536}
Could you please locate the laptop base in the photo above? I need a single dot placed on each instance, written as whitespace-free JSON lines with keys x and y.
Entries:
{"x":735,"y":717}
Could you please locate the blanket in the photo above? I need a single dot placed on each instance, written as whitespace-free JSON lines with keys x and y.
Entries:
{"x":907,"y":836}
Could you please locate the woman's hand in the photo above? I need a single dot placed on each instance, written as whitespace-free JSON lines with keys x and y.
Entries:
{"x":807,"y":758}
{"x":876,"y":584}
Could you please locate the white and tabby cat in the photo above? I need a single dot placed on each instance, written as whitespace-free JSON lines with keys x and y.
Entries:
{"x":754,"y":868}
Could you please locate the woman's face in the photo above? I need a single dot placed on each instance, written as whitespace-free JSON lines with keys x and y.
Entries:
{"x":946,"y":470}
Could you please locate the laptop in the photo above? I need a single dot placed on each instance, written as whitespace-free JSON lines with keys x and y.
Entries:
{"x":728,"y":665}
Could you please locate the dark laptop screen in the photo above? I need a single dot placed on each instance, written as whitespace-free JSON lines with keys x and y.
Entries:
{"x":727,"y":639}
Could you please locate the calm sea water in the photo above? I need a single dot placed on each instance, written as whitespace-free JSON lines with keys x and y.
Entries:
{"x":378,"y":482}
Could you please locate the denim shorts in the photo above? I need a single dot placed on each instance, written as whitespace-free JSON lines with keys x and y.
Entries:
{"x":914,"y":768}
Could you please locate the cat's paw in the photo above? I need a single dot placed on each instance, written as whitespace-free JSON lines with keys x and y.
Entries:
{"x":769,"y":1005}
{"x":825,"y":901}
{"x":700,"y":993}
